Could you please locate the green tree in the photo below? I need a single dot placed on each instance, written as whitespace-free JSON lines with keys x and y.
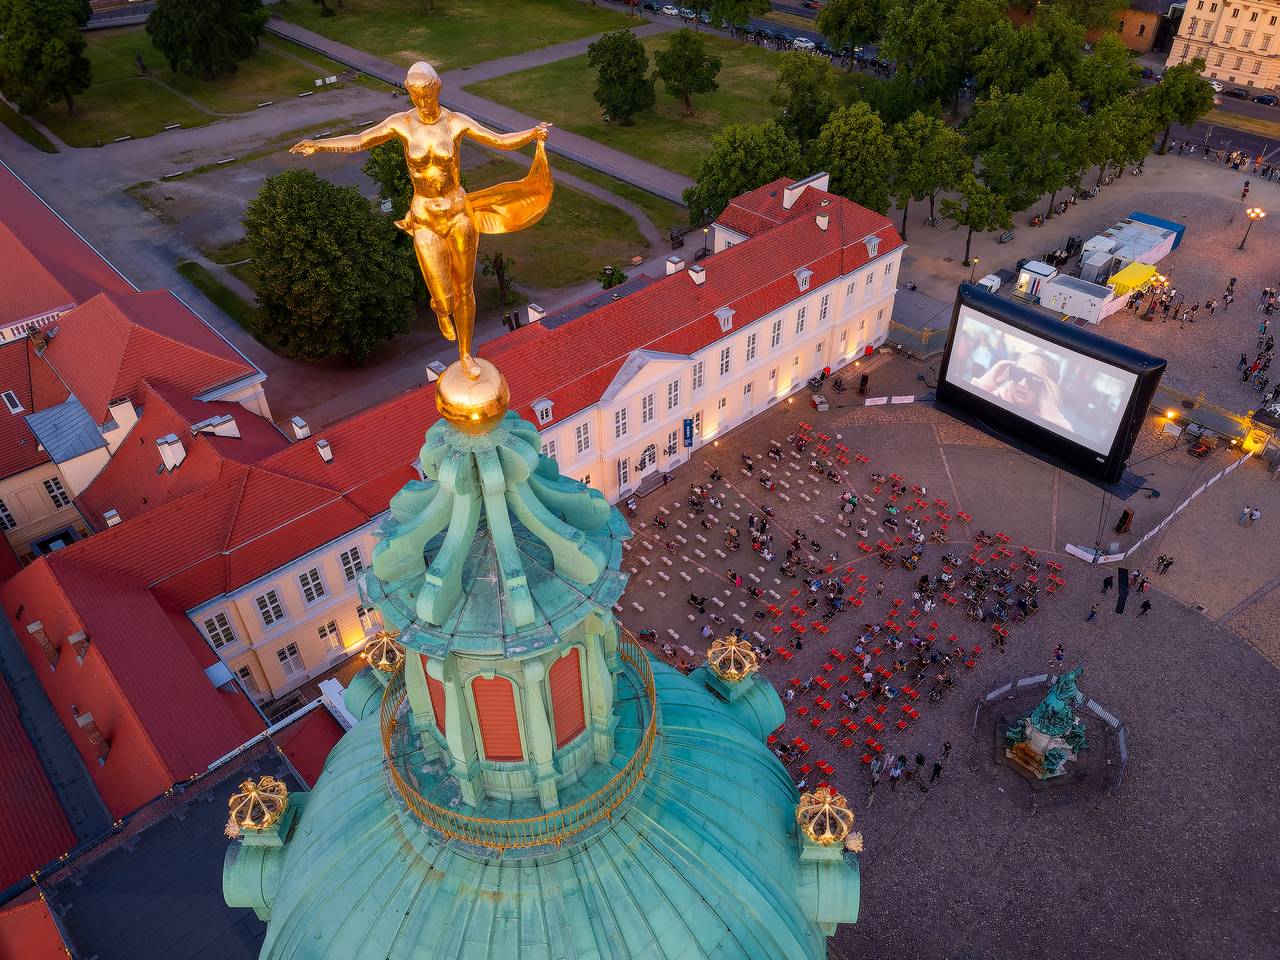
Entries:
{"x":931,"y":158}
{"x":686,"y":68}
{"x":332,"y":281}
{"x":918,"y":38}
{"x":805,"y":95}
{"x":851,"y":22}
{"x":973,"y":24}
{"x":1016,"y":57}
{"x":1091,"y":14}
{"x":1183,"y":96}
{"x":855,"y":150}
{"x":741,"y":158}
{"x":623,"y":84}
{"x":978,"y":209}
{"x":386,"y":167}
{"x":1106,"y":75}
{"x":502,"y":269}
{"x":738,"y":12}
{"x":611,"y":276}
{"x":1117,"y":134}
{"x":42,"y":56}
{"x":206,"y":38}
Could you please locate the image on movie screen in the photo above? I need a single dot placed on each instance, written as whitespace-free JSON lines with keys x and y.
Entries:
{"x":1073,"y":395}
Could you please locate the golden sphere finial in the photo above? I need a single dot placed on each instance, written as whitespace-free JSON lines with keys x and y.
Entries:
{"x":825,"y":817}
{"x":382,"y":652}
{"x":732,"y":659}
{"x":473,"y":406}
{"x":256,"y":805}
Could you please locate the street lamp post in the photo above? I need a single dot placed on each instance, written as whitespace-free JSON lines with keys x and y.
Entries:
{"x":973,"y":267}
{"x":1253,"y":213}
{"x":705,"y":250}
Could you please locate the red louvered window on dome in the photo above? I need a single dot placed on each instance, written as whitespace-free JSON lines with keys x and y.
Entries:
{"x":435,"y":689}
{"x":566,"y":698}
{"x":496,"y":711}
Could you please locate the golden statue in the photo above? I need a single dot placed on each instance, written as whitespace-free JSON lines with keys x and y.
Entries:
{"x":446,"y":222}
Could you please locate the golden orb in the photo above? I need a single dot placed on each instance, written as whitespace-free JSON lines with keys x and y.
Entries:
{"x":732,"y":659}
{"x":256,"y":805}
{"x":824,"y":816}
{"x":472,"y":406}
{"x":383,"y":653}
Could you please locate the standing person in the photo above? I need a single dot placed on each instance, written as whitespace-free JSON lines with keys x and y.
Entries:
{"x":937,"y":772}
{"x":895,"y":773}
{"x":1254,"y":516}
{"x":946,"y":749}
{"x":1107,"y":583}
{"x":1244,"y":516}
{"x":880,"y":588}
{"x":1145,"y":608}
{"x":1168,"y":562}
{"x":1058,"y":653}
{"x":1093,"y":612}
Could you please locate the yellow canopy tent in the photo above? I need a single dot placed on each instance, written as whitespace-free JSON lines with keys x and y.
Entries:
{"x":1131,"y":278}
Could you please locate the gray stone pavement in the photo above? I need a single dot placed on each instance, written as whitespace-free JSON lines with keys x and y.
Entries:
{"x":972,"y":868}
{"x":657,"y":180}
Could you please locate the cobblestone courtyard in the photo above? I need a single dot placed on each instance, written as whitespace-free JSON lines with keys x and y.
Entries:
{"x":1179,"y":862}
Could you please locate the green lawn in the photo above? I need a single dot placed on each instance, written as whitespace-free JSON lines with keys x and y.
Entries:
{"x":459,"y":33}
{"x":561,"y":92}
{"x":12,"y":119}
{"x":664,"y":214}
{"x":226,"y":299}
{"x":122,"y":103}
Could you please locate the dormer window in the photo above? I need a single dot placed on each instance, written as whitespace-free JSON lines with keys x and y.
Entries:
{"x":803,"y":275}
{"x":725,"y":316}
{"x":873,"y":245}
{"x":542,"y":410}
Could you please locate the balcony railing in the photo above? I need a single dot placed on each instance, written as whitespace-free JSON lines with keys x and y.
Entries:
{"x":548,"y":829}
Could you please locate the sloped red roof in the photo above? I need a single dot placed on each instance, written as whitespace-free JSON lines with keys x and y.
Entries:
{"x":19,"y":450}
{"x":33,"y":828}
{"x":29,"y":932}
{"x":59,"y":250}
{"x":106,"y":347}
{"x":27,"y":290}
{"x":761,"y":209}
{"x":308,"y":740}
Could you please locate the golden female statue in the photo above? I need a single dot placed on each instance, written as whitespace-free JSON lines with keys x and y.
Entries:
{"x":444,"y":221}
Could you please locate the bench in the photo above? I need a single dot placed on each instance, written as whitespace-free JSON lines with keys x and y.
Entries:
{"x":1005,"y":237}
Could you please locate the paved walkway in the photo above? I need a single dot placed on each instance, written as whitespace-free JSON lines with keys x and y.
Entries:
{"x":648,"y":176}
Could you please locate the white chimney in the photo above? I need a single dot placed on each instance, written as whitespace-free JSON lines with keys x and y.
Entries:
{"x":223,"y":425}
{"x":536,"y":313}
{"x":674,"y":264}
{"x":326,"y":454}
{"x":435,"y":370}
{"x":172,"y":452}
{"x":112,"y":517}
{"x":300,"y":428}
{"x":698,"y":274}
{"x":823,"y":220}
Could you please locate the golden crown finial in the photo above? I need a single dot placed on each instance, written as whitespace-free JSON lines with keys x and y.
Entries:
{"x":256,"y":805}
{"x":732,"y":659}
{"x":383,"y":653}
{"x":825,"y":817}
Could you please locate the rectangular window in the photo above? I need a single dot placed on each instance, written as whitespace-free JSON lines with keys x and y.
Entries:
{"x":673,"y":440}
{"x":1235,"y":13}
{"x":549,"y":449}
{"x":724,"y":362}
{"x":269,"y":608}
{"x":330,"y":639}
{"x":1253,"y":17}
{"x":844,"y":335}
{"x":1192,"y":29}
{"x":1206,"y":29}
{"x":879,"y":314}
{"x":746,"y":389}
{"x":870,"y":277}
{"x":1226,"y":37}
{"x":586,"y":480}
{"x":773,"y":374}
{"x":368,"y":618}
{"x":582,"y":434}
{"x":1257,"y":68}
{"x":721,"y":404}
{"x":619,"y":423}
{"x":697,"y":376}
{"x":800,"y":320}
{"x":1266,"y":42}
{"x":823,"y":308}
{"x":290,"y":659}
{"x":1199,"y":4}
{"x":1239,"y":64}
{"x":697,"y":423}
{"x":11,"y":401}
{"x":312,"y":587}
{"x":57,"y":493}
{"x":352,"y":563}
{"x":646,"y":408}
{"x":1247,"y":39}
{"x":218,"y":629}
{"x":624,"y":472}
{"x":775,"y":336}
{"x":751,"y":347}
{"x":6,"y":518}
{"x":849,"y":290}
{"x":247,"y":681}
{"x":1217,"y":62}
{"x":673,"y":394}
{"x":888,"y":269}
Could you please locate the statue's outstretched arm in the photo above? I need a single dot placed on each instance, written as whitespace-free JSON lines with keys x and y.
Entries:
{"x":503,"y":141}
{"x":353,"y":143}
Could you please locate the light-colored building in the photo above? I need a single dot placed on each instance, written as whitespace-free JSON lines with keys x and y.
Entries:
{"x":1239,"y":42}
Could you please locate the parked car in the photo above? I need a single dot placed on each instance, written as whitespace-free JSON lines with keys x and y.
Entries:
{"x":653,"y":7}
{"x":1240,"y":93}
{"x":688,"y":14}
{"x":813,"y":4}
{"x":705,"y":18}
{"x":671,"y":10}
{"x":1217,"y":85}
{"x":1266,"y":99}
{"x":803,"y":43}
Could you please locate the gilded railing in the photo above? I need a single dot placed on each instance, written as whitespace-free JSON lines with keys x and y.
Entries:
{"x":552,"y":827}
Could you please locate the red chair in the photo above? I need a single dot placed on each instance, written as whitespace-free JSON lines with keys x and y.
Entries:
{"x":866,"y":758}
{"x":901,"y":724}
{"x":847,"y":742}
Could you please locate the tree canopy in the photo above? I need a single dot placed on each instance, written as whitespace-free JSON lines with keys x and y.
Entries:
{"x":686,"y":68}
{"x":385,"y":166}
{"x":1106,"y":75}
{"x":805,"y":94}
{"x":332,"y":281}
{"x":42,"y":56}
{"x":1089,"y":13}
{"x":623,"y":84}
{"x":918,"y":38}
{"x":741,"y":158}
{"x":931,"y":158}
{"x":978,"y":208}
{"x":1183,"y":96}
{"x":855,"y":150}
{"x":852,"y":22}
{"x":206,"y":38}
{"x":1016,"y":57}
{"x":738,"y":12}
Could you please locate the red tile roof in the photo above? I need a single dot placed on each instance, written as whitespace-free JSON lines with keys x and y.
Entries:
{"x":307,"y":742}
{"x":761,"y":209}
{"x":29,"y":932}
{"x":27,"y":290}
{"x":59,"y":250}
{"x":106,"y":347}
{"x":19,"y":450}
{"x":33,"y":828}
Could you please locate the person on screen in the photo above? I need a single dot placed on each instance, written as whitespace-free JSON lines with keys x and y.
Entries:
{"x":1028,"y":384}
